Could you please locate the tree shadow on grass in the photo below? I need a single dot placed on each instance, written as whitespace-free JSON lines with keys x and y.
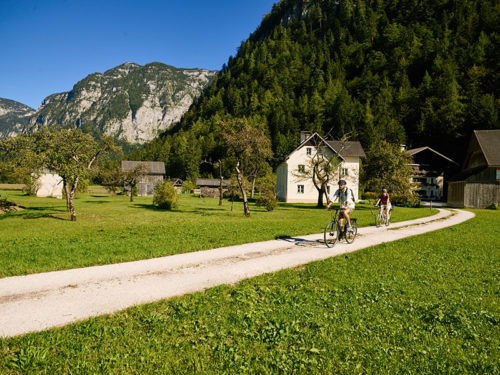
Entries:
{"x":98,"y":202}
{"x":27,"y":214}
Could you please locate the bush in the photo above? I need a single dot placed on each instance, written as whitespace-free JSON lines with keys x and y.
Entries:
{"x":165,"y":195}
{"x":268,"y":200}
{"x":5,"y":203}
{"x":405,"y":200}
{"x":370,"y":195}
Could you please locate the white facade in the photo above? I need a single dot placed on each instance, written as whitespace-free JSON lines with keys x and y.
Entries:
{"x":49,"y":185}
{"x":293,"y":189}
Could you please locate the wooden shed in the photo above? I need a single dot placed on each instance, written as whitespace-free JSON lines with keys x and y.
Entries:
{"x":478,"y":183}
{"x":155,"y":175}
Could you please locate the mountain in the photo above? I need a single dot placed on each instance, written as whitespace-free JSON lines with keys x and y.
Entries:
{"x":414,"y":72}
{"x":14,"y":117}
{"x":131,"y":102}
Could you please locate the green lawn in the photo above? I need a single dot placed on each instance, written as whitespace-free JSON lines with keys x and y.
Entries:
{"x":422,"y":305}
{"x":111,"y":229}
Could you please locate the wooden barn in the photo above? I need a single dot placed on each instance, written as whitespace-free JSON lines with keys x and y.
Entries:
{"x":155,"y":175}
{"x":431,"y":171}
{"x":478,"y":183}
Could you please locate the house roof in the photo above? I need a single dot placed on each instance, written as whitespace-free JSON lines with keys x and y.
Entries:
{"x":176,"y":181}
{"x":155,"y":167}
{"x":349,"y":148}
{"x":343,"y":149}
{"x":489,"y":141}
{"x":414,"y":151}
{"x":210,"y":182}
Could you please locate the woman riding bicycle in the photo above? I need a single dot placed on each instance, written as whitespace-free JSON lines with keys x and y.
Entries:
{"x":346,"y":200}
{"x":385,"y":202}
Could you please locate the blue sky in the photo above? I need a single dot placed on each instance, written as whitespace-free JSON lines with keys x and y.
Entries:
{"x":49,"y":45}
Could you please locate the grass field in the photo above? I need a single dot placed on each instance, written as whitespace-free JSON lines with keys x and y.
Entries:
{"x":111,"y":229}
{"x":422,"y":305}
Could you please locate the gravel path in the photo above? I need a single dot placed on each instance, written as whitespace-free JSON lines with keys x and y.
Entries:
{"x":45,"y":300}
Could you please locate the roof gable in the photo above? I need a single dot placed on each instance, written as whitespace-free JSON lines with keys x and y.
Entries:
{"x":489,"y":142}
{"x":418,"y":150}
{"x":342,"y":149}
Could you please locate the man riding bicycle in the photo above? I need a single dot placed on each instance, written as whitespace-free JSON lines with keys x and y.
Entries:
{"x":385,"y":202}
{"x":346,"y":200}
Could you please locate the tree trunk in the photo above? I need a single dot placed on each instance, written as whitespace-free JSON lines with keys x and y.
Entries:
{"x":241,"y":183}
{"x":221,"y":190}
{"x":132,"y":188}
{"x":321,"y":193}
{"x":72,"y":200}
{"x":253,"y":187}
{"x":67,"y":191}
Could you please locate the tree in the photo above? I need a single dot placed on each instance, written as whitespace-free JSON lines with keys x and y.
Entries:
{"x":133,"y":176}
{"x":247,"y":146}
{"x":322,"y":167}
{"x":67,"y":152}
{"x":387,"y":166}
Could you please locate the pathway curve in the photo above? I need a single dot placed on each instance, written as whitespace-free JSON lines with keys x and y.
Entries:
{"x":41,"y":301}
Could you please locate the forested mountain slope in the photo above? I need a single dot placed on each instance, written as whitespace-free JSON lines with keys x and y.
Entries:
{"x":413,"y":72}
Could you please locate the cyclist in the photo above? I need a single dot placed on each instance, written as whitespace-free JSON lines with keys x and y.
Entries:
{"x":346,"y":200}
{"x":385,"y":202}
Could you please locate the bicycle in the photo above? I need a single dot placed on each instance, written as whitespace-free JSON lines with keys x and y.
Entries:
{"x":334,"y":233}
{"x":380,"y":216}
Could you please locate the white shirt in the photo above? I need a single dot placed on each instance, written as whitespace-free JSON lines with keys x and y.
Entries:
{"x":344,"y":196}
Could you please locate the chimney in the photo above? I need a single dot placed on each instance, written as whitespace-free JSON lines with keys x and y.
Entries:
{"x":304,"y":135}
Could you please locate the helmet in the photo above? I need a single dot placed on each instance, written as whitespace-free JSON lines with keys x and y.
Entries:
{"x":342,"y":182}
{"x":384,"y":190}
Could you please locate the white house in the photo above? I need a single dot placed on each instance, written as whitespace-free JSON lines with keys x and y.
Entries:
{"x":49,"y":185}
{"x":293,"y":189}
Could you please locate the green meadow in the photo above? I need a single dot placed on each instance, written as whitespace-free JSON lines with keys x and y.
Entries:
{"x":421,"y":305}
{"x":110,"y":229}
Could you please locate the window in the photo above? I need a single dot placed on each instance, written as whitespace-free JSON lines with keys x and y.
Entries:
{"x":300,"y":189}
{"x":302,"y":168}
{"x":328,"y":189}
{"x":308,"y":150}
{"x":344,"y":171}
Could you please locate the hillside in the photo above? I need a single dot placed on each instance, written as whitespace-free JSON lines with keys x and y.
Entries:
{"x":419,"y":73}
{"x":131,"y":102}
{"x":14,"y":116}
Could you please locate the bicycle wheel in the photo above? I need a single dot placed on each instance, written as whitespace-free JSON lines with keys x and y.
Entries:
{"x":378,"y":220}
{"x":350,"y":235}
{"x":331,"y":233}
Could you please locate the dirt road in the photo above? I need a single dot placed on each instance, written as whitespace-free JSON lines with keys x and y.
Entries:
{"x":42,"y":301}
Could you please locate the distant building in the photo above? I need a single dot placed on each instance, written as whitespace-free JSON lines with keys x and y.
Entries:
{"x":155,"y":176}
{"x":478,"y":183}
{"x":292,"y":189}
{"x":430,"y":171}
{"x":209,"y":187}
{"x":49,"y":184}
{"x":178,"y":184}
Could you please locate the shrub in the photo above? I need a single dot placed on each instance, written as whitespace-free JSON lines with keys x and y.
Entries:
{"x":268,"y":200}
{"x":405,"y":200}
{"x":165,"y":195}
{"x":370,"y":195}
{"x":5,"y":203}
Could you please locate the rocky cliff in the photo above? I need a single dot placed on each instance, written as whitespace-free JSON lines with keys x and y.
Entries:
{"x":14,"y":117}
{"x":130,"y":102}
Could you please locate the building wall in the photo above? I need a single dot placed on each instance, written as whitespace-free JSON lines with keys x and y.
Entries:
{"x":293,"y":189}
{"x":281,"y":182}
{"x":50,"y":185}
